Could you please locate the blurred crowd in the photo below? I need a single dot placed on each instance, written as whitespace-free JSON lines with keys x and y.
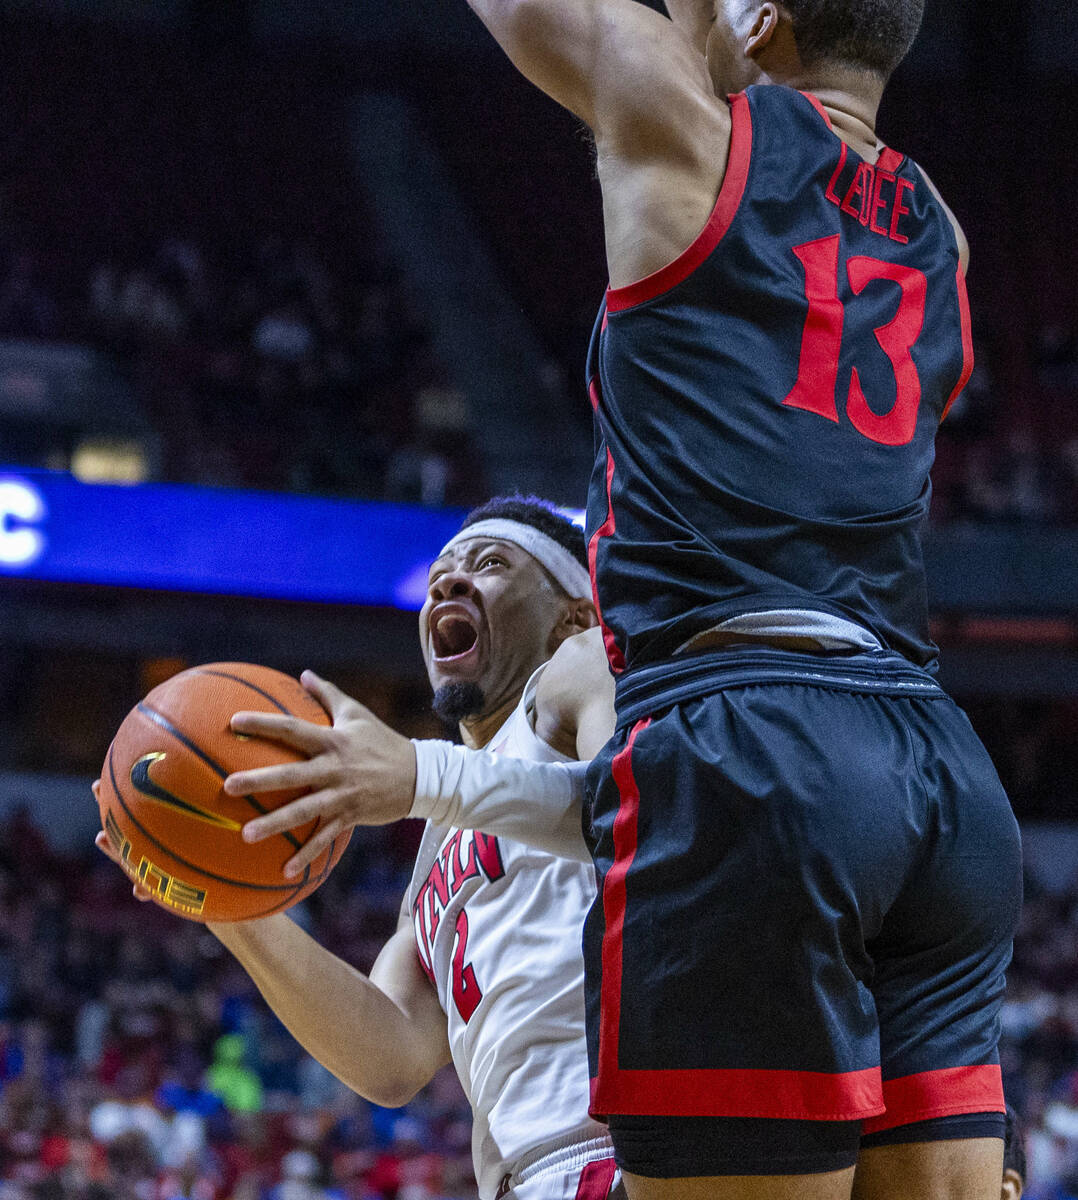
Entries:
{"x":1010,"y":454}
{"x":268,"y":366}
{"x":1039,"y":1050}
{"x":137,"y":1062}
{"x":263,"y":365}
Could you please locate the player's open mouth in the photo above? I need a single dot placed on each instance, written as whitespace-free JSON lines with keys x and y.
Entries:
{"x":453,"y":635}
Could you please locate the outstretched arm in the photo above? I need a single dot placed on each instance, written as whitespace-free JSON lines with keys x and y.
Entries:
{"x":361,"y":772}
{"x":384,"y":1036}
{"x":539,"y":804}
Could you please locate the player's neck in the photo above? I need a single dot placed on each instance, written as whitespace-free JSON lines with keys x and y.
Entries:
{"x":476,"y":732}
{"x":851,"y":100}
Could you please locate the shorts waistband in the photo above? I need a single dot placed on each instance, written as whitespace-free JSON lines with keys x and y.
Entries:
{"x":642,"y":691}
{"x":562,"y":1154}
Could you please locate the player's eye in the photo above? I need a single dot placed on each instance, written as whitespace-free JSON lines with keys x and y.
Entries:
{"x":491,"y":559}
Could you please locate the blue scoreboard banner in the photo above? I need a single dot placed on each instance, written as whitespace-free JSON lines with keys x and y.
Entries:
{"x":54,"y":527}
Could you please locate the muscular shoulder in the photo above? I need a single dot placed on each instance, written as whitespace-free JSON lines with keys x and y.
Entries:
{"x":574,"y":699}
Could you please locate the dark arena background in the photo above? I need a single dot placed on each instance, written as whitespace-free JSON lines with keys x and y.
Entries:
{"x":283,"y":287}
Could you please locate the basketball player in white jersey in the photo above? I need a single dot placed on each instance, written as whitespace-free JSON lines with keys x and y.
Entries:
{"x":485,"y":968}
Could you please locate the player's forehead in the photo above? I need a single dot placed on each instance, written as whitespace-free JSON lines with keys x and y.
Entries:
{"x":469,"y":551}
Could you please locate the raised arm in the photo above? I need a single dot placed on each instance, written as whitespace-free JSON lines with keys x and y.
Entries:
{"x":539,"y":804}
{"x":602,"y":59}
{"x":384,"y":1036}
{"x":642,"y":84}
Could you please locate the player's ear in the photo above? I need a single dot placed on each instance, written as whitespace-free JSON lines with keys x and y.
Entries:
{"x":765,"y":25}
{"x":576,"y":615}
{"x":583,"y":614}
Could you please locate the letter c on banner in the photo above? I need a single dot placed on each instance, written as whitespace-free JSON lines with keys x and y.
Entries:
{"x":21,"y":508}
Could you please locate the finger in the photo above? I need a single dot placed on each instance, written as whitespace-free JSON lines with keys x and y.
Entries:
{"x":105,"y":846}
{"x":288,"y":816}
{"x":108,"y":850}
{"x":276,"y":778}
{"x":95,"y":787}
{"x":332,"y":699}
{"x":292,"y":731}
{"x":312,"y":848}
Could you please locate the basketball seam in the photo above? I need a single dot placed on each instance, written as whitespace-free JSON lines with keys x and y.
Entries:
{"x":257,"y":916}
{"x":266,"y":696}
{"x":254,"y":688}
{"x":166,"y":724}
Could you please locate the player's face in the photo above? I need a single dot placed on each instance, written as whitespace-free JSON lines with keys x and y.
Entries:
{"x":488,"y":618}
{"x":731,"y":70}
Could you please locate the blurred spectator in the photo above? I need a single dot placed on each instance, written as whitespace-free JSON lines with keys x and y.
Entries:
{"x":300,"y":1172}
{"x":131,"y":1111}
{"x":237,"y":1085}
{"x":126,"y":1114}
{"x":438,"y":466}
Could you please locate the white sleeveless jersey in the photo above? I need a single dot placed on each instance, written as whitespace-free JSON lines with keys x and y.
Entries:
{"x":498,"y":931}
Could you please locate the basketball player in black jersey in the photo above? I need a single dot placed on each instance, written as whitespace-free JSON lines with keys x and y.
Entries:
{"x":786,"y":325}
{"x":810,"y":875}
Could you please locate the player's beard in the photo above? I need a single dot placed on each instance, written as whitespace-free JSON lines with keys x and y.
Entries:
{"x":454,"y":701}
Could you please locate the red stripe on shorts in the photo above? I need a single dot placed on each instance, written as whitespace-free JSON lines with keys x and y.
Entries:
{"x":948,"y":1092}
{"x":795,"y":1095}
{"x":708,"y":1092}
{"x":740,"y":1092}
{"x":595,"y":1180}
{"x":614,"y":903}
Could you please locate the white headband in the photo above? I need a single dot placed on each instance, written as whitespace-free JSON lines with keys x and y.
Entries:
{"x":544,"y":549}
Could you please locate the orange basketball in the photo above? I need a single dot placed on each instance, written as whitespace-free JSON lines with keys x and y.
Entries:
{"x":164,"y":810}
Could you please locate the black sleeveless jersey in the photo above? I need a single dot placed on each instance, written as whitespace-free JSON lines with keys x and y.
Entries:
{"x":766,"y":405}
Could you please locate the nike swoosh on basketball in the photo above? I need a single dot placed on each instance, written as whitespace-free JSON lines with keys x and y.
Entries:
{"x":145,"y":786}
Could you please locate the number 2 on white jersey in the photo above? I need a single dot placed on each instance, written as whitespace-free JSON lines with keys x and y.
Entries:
{"x":466,"y":990}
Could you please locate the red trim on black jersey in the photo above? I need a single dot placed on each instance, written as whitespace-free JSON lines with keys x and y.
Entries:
{"x":947,"y":1092}
{"x":814,"y":101}
{"x":722,"y":215}
{"x":890,"y":160}
{"x":967,"y":340}
{"x":614,"y":653}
